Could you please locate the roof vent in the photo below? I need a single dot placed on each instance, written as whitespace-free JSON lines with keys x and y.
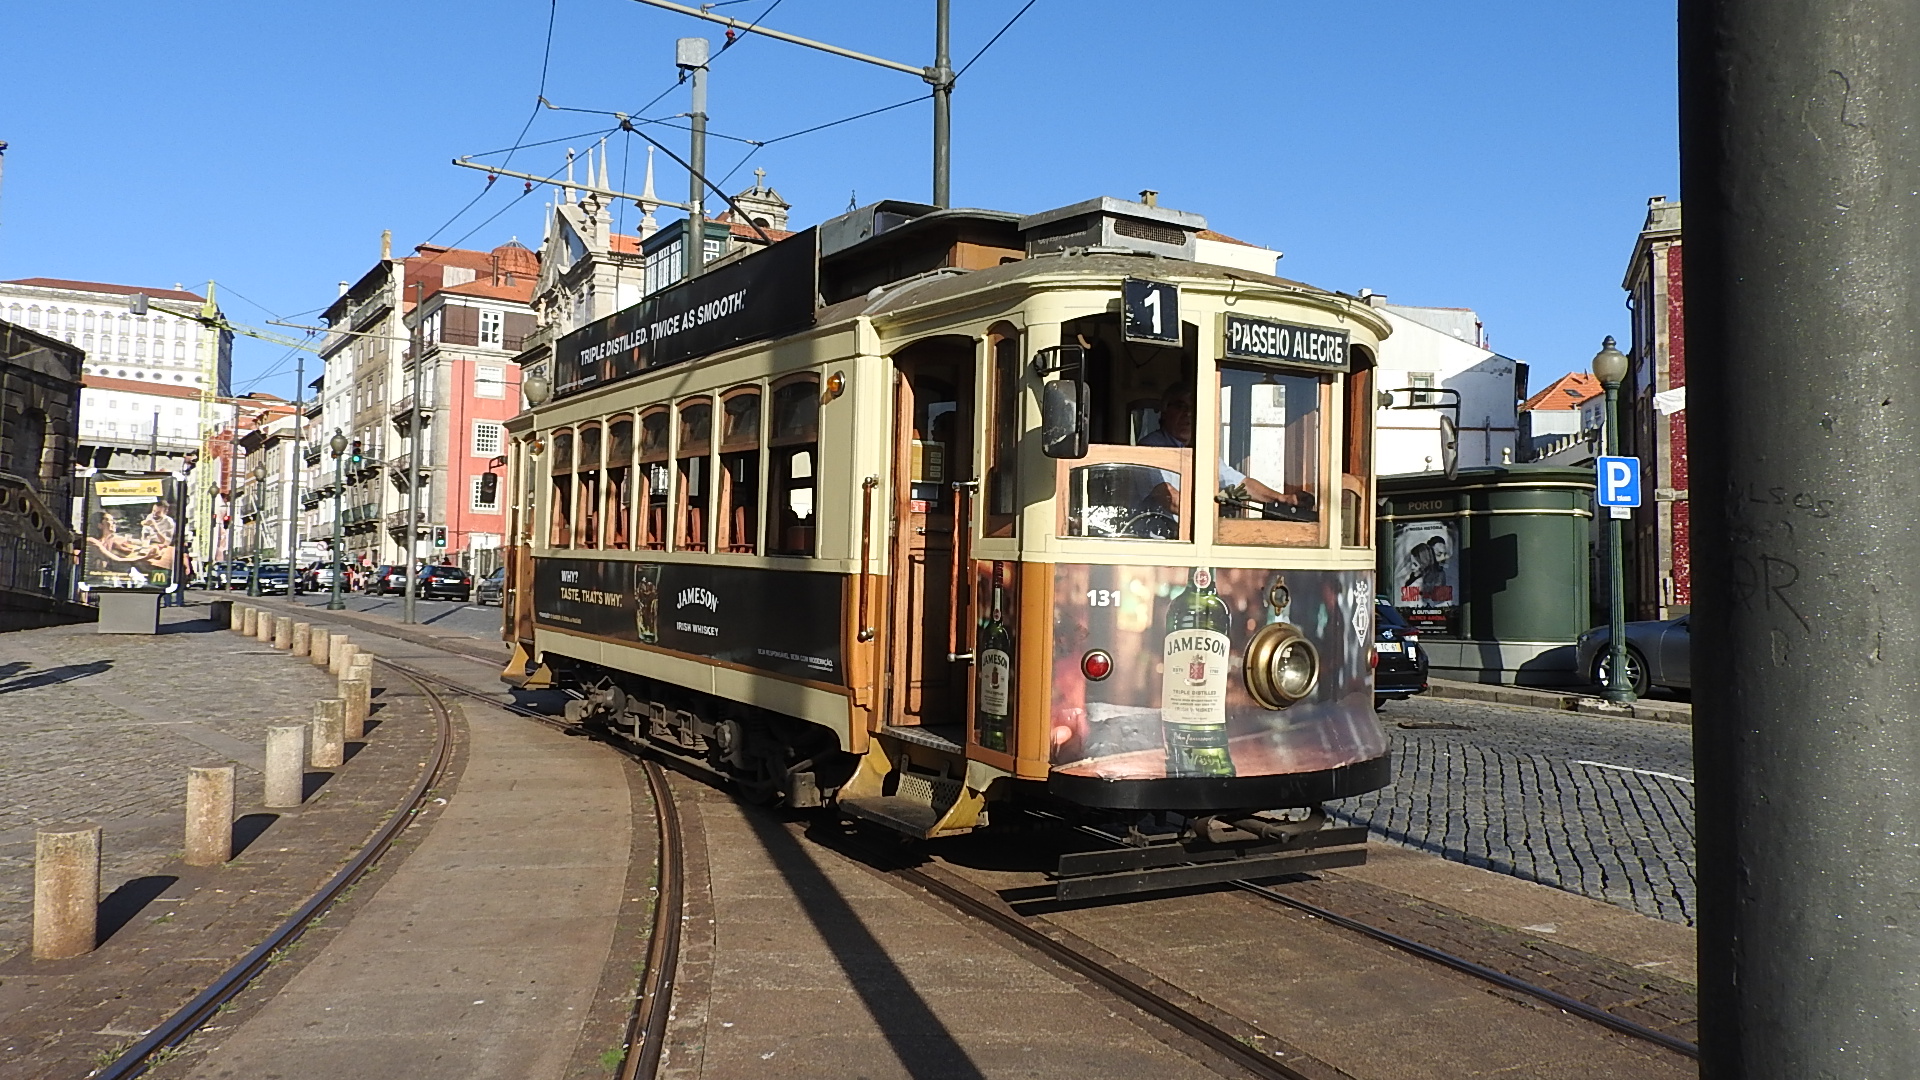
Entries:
{"x":1114,"y":225}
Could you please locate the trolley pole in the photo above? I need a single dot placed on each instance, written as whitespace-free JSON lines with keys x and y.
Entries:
{"x":1799,"y":154}
{"x":690,"y":55}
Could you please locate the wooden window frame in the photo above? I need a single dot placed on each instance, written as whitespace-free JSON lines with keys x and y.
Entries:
{"x":777,"y":486}
{"x":560,"y":524}
{"x":682,"y":499}
{"x":752,"y":443}
{"x":1260,"y":533}
{"x":618,"y":500}
{"x":1357,"y":450}
{"x":588,"y":501}
{"x":646,"y":537}
{"x":1004,"y":417}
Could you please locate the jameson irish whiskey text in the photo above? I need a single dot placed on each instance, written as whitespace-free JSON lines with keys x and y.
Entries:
{"x":1193,"y":687}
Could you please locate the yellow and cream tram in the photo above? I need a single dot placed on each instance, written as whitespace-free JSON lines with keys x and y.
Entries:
{"x":924,"y":510}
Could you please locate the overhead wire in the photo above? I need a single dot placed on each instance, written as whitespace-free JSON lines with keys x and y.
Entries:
{"x":546,"y":59}
{"x":994,"y":38}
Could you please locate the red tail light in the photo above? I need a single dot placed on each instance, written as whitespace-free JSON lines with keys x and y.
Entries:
{"x":1096,"y":665}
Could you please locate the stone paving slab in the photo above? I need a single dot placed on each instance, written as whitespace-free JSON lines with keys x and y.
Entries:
{"x":103,"y":727}
{"x":1672,"y":712}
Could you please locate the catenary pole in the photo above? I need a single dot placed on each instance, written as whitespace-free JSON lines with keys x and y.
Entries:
{"x":690,"y":55}
{"x":942,"y":79}
{"x":293,"y":468}
{"x":414,"y":517}
{"x":1800,"y":157}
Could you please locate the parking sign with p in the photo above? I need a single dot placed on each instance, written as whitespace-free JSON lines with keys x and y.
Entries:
{"x":1619,"y":481}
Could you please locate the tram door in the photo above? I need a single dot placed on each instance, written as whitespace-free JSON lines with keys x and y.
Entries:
{"x":931,"y":606}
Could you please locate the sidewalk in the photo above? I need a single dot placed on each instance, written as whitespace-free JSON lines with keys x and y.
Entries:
{"x":1672,"y":712}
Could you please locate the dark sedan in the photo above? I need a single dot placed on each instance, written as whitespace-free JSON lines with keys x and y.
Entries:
{"x":1400,"y":664}
{"x":446,"y":583}
{"x":386,"y":579}
{"x":1659,"y":653}
{"x":490,"y":588}
{"x":274,"y":578}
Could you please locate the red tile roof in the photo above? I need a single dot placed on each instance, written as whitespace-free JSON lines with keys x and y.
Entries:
{"x":1567,"y":392}
{"x":1209,"y":234}
{"x":138,"y":386}
{"x":98,"y":286}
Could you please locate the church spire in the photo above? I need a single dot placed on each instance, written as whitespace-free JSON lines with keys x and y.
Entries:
{"x":648,"y":226}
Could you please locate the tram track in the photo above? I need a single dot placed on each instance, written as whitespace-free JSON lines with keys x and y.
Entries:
{"x":1242,"y":1053}
{"x":184,"y":1022}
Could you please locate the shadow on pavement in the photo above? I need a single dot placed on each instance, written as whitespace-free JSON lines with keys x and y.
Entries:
{"x":249,"y":828}
{"x":312,"y":783}
{"x":63,"y":673}
{"x":123,"y":903}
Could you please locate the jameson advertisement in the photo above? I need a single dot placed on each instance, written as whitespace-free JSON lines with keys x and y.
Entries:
{"x":1426,"y":574}
{"x":994,"y":585}
{"x":133,"y":531}
{"x":766,"y":294}
{"x":1176,"y":704}
{"x":782,"y":621}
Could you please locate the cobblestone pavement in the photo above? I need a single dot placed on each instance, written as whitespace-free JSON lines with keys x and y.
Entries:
{"x":102,"y":728}
{"x":473,"y":620}
{"x":1599,"y":807}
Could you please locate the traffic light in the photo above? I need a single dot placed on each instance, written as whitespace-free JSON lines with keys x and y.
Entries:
{"x":353,"y":455}
{"x":489,"y":487}
{"x":439,"y":536}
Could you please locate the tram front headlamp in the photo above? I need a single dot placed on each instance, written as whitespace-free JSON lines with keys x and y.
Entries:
{"x":1282,"y":666}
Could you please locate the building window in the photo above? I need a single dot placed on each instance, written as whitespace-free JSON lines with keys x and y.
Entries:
{"x":490,"y":328}
{"x":1422,"y":382}
{"x":489,"y":380}
{"x":73,"y":317}
{"x":480,"y":505}
{"x":179,"y":352}
{"x":33,"y":316}
{"x":13,"y":313}
{"x":487,"y":438}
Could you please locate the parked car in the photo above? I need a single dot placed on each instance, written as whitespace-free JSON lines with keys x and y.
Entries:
{"x":1659,"y":653}
{"x":274,"y":578}
{"x":1400,"y":664}
{"x":318,"y":577}
{"x":490,"y":589}
{"x":386,"y":579}
{"x":445,"y":583}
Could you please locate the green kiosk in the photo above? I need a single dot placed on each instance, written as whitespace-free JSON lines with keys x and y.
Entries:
{"x":1492,"y":567}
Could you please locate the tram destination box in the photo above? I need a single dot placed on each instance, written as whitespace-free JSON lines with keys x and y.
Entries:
{"x":1283,"y":343}
{"x":764,"y":295}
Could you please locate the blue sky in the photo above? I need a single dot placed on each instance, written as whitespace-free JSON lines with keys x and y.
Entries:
{"x":1484,"y":153}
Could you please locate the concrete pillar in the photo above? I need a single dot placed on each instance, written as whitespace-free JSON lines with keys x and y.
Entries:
{"x":286,"y":764}
{"x":342,"y":654}
{"x":263,"y":629}
{"x":237,"y":618}
{"x":329,"y":733}
{"x":66,"y":891}
{"x":317,"y":650}
{"x":357,"y":695}
{"x":250,"y":621}
{"x":302,"y":638}
{"x":209,"y":815}
{"x":283,"y":632}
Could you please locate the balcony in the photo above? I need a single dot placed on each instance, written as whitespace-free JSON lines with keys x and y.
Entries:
{"x":376,"y":304}
{"x":397,"y":523}
{"x":397,"y":472}
{"x":402,"y":411}
{"x":311,"y":455}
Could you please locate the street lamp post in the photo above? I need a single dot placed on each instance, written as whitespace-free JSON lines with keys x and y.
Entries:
{"x":1610,"y":367}
{"x":337,"y":444}
{"x":259,"y":526}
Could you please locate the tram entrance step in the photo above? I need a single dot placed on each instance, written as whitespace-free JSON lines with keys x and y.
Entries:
{"x":900,"y":813}
{"x":935,"y":736}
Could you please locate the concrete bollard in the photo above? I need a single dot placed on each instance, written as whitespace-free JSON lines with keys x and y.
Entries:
{"x":237,"y":618}
{"x":66,"y":891}
{"x":263,"y":629}
{"x":283,"y":632}
{"x":317,"y":649}
{"x":329,"y":733}
{"x":286,"y":764}
{"x":250,"y":621}
{"x":342,"y":655}
{"x":357,"y":694}
{"x":302,"y":638}
{"x":209,"y":815}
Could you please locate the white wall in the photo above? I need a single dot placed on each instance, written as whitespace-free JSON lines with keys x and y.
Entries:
{"x":1409,"y":440}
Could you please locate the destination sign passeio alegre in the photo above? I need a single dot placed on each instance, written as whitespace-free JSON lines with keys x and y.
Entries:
{"x":1284,"y":343}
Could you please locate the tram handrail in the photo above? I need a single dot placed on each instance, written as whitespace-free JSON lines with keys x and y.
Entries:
{"x":866,"y":547}
{"x":957,"y":542}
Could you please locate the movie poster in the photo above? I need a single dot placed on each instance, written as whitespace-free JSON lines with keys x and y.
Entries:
{"x":132,"y":531}
{"x":1176,"y":701}
{"x":1426,"y":574}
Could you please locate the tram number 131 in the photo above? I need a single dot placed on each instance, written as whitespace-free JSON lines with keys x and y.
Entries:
{"x":1103,"y":597}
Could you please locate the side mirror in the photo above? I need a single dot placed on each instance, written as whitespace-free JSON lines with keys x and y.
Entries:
{"x":1064,"y":404}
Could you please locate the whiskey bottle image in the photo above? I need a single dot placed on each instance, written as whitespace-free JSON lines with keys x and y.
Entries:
{"x":993,"y":718}
{"x":646,"y":602}
{"x":1193,"y":687}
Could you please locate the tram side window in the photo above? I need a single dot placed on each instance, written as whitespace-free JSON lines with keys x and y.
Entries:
{"x":587,"y":468}
{"x":654,"y":478}
{"x":740,"y":471}
{"x":619,"y":506}
{"x":692,"y":455}
{"x":1269,"y":467}
{"x":1356,"y":461}
{"x":794,"y":447}
{"x":1003,"y":444}
{"x":561,"y":534}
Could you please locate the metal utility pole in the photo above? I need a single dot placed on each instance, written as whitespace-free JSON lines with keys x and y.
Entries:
{"x":690,"y":55}
{"x":1799,"y":154}
{"x":940,"y":76}
{"x":294,"y":514}
{"x":233,"y":487}
{"x":414,"y":517}
{"x":338,"y":444}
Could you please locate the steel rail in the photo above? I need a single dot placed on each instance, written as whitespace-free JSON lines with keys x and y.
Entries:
{"x":177,"y":1028}
{"x":1499,"y":978}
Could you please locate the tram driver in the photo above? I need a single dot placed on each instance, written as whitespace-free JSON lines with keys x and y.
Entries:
{"x":1177,"y":415}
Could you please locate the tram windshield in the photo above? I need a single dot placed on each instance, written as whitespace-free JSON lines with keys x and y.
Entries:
{"x":1135,"y":481}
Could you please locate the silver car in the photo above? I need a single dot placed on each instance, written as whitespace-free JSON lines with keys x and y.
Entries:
{"x":1659,"y":653}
